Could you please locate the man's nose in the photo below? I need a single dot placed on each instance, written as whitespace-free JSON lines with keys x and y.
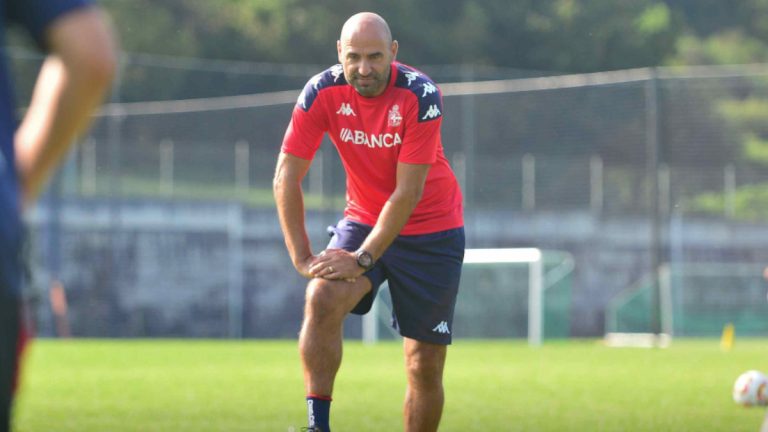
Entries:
{"x":364,"y":68}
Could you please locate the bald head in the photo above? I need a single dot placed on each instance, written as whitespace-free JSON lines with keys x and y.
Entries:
{"x":368,"y":25}
{"x":366,"y":51}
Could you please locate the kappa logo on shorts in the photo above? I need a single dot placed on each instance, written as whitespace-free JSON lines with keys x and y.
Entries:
{"x":442,"y":328}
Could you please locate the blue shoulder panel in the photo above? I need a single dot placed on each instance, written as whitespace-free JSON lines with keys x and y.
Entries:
{"x":330,"y":77}
{"x":427,"y":93}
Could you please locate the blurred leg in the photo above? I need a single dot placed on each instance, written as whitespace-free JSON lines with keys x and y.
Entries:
{"x":9,"y":337}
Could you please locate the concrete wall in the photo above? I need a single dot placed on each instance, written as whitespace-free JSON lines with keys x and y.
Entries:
{"x":137,"y":269}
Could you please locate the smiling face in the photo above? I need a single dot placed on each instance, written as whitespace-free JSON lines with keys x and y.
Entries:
{"x":366,"y":51}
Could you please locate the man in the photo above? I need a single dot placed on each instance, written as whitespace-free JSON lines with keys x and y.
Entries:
{"x":72,"y":82}
{"x":403,"y":220}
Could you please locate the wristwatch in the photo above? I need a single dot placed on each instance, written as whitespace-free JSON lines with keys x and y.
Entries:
{"x":364,"y":259}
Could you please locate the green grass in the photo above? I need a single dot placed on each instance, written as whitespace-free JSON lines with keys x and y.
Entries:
{"x":174,"y":385}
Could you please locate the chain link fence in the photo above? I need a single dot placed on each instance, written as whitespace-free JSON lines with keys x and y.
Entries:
{"x":162,"y":222}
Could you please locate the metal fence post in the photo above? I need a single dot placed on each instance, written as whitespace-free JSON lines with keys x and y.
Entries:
{"x":596,"y":193}
{"x":235,"y":240}
{"x":529,"y":182}
{"x":652,"y":176}
{"x":242,"y":165}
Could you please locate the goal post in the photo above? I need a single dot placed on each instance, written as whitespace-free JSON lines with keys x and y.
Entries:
{"x":628,"y":313}
{"x":504,"y":292}
{"x":698,"y":299}
{"x":531,"y":257}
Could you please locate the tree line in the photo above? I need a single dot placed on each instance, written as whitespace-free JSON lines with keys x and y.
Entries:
{"x":561,"y":36}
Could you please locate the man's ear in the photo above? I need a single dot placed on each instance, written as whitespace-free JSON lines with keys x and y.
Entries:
{"x":338,"y":51}
{"x":394,"y":48}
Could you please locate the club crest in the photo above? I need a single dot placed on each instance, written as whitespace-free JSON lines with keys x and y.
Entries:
{"x":394,"y":117}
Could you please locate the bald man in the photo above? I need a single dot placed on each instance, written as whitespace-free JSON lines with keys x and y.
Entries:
{"x":403,"y":221}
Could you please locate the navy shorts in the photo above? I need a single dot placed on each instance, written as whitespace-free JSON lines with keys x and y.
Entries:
{"x":423,"y":273}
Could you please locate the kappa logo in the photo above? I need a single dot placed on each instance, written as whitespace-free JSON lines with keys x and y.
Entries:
{"x":411,"y":76}
{"x":432,"y":112}
{"x":315,"y":81}
{"x":394,"y":118}
{"x":346,"y":110}
{"x":442,"y":328}
{"x":429,"y":88}
{"x":336,"y":71}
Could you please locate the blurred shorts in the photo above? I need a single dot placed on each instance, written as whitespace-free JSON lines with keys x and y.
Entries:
{"x":423,"y":274}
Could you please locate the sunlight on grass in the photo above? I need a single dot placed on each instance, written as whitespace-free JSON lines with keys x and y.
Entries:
{"x":190,"y":385}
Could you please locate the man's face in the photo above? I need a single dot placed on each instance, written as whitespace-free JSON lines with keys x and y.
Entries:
{"x":366,"y":57}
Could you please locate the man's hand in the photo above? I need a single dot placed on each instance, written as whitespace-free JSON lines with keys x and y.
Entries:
{"x":336,"y":264}
{"x":304,"y":265}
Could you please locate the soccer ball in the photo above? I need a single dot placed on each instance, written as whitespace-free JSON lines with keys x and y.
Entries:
{"x":751,"y":389}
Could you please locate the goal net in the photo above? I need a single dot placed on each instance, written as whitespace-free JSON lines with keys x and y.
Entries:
{"x":697,"y":300}
{"x":504,"y":293}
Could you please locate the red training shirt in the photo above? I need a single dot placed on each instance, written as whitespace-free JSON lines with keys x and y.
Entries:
{"x":372,"y":135}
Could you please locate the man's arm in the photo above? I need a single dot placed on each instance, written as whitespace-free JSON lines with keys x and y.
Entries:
{"x":290,"y":209}
{"x":393,"y":217}
{"x":398,"y":208}
{"x":72,"y":83}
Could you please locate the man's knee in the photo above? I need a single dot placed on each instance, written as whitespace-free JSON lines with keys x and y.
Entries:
{"x":323,"y":300}
{"x":424,"y":364}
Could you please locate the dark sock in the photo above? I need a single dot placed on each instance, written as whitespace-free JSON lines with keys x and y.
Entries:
{"x":319,"y":412}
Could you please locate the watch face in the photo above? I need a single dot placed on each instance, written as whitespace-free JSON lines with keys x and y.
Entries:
{"x":365,"y":260}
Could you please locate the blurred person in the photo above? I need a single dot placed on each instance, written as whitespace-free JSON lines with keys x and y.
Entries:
{"x":72,"y":82}
{"x":765,"y":276}
{"x":403,"y":220}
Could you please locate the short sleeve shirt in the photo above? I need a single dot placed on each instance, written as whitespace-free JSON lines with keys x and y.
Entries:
{"x":35,"y":16}
{"x":373,"y":135}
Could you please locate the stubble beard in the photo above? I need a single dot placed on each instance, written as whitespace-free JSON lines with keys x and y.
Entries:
{"x":374,"y":88}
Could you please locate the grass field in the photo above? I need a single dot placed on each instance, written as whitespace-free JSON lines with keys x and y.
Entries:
{"x":188,"y":385}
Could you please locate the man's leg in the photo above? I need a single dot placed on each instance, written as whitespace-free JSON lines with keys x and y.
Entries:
{"x":9,"y":333}
{"x":320,"y":341}
{"x":424,"y":396}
